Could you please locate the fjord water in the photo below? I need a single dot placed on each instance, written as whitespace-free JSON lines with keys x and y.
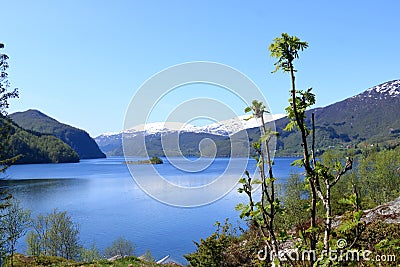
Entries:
{"x":101,"y":196}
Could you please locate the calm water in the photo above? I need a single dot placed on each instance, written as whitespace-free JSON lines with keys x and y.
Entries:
{"x":101,"y":196}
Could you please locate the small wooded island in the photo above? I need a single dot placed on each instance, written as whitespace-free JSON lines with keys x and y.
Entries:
{"x":152,"y":160}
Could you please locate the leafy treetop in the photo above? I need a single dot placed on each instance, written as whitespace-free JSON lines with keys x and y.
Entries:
{"x":286,"y":49}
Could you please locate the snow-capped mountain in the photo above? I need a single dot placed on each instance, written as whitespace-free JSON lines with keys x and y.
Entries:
{"x":224,"y":128}
{"x":235,"y":125}
{"x":109,"y":141}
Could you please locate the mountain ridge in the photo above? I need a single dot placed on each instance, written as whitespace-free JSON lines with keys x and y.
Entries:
{"x":370,"y":117}
{"x":78,"y":139}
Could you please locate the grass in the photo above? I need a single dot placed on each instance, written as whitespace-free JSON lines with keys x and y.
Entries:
{"x":42,"y":261}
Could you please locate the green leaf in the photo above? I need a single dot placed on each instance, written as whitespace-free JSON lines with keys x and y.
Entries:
{"x":248,"y":118}
{"x":290,"y":126}
{"x":270,"y":180}
{"x":298,"y":162}
{"x":256,"y":181}
{"x":301,"y":234}
{"x":345,"y":201}
{"x":256,"y":145}
{"x":242,"y":180}
{"x":312,"y":230}
{"x":239,"y":206}
{"x":358,"y":215}
{"x":346,"y":226}
{"x":265,"y":138}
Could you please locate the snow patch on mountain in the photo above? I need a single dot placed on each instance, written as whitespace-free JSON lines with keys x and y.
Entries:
{"x":381,"y":91}
{"x":234,"y":125}
{"x":224,"y":128}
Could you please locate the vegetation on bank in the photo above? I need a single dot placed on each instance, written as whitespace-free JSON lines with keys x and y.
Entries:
{"x":41,"y":261}
{"x":54,"y":240}
{"x":33,"y":147}
{"x":233,"y":246}
{"x":152,"y":160}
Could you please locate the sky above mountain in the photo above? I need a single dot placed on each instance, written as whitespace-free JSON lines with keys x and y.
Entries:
{"x":82,"y":61}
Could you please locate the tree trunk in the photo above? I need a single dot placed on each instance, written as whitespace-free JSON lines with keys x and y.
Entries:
{"x":313,"y":238}
{"x":306,"y":158}
{"x":328,"y":214}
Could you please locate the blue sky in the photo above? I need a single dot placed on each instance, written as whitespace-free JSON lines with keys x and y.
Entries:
{"x":82,"y":61}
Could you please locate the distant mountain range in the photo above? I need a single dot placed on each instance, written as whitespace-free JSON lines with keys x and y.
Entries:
{"x":36,"y":123}
{"x":223,"y":128}
{"x":372,"y":117}
{"x":189,"y":136}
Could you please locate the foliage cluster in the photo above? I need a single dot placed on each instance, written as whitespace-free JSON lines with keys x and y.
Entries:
{"x":33,"y":147}
{"x":152,"y":160}
{"x":228,"y":246}
{"x":156,"y":160}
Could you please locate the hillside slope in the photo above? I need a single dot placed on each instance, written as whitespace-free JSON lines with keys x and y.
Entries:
{"x":35,"y":147}
{"x":78,"y":139}
{"x":371,"y":117}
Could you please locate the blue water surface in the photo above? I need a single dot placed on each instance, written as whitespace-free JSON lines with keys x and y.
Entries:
{"x":103,"y":199}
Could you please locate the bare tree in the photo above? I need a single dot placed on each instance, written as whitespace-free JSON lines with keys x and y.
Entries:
{"x":15,"y":223}
{"x":121,"y":247}
{"x":55,"y":235}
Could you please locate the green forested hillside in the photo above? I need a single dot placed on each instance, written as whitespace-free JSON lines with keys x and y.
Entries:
{"x":78,"y":139}
{"x":370,"y":118}
{"x":35,"y":147}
